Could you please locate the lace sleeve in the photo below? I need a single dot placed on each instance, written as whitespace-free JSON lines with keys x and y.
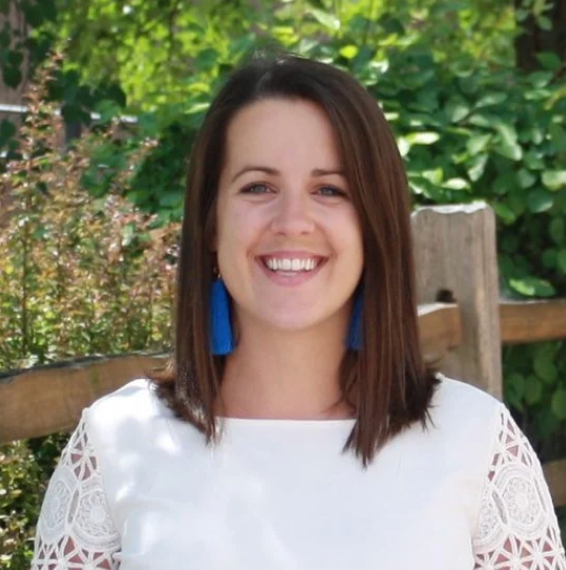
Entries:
{"x":75,"y":529}
{"x":517,"y":527}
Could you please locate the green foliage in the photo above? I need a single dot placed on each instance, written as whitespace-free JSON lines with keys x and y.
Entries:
{"x":79,"y":275}
{"x":467,"y":123}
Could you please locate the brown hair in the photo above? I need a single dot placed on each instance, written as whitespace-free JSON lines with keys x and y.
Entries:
{"x":392,"y":386}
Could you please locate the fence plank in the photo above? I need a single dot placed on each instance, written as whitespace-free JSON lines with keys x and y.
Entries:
{"x":455,"y":249}
{"x":440,"y":329}
{"x":532,"y":321}
{"x":47,"y":399}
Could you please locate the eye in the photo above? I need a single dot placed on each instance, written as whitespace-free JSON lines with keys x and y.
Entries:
{"x":256,"y":189}
{"x":331,"y":192}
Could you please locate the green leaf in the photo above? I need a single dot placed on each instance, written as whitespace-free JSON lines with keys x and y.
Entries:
{"x":544,"y":23}
{"x":521,"y":14}
{"x":545,"y":368}
{"x":425,"y":138}
{"x":507,"y":145}
{"x":482,"y":120}
{"x":206,"y":59}
{"x":171,"y":199}
{"x":534,"y":161}
{"x":540,"y":79}
{"x":515,"y":386}
{"x":533,"y":390}
{"x":456,"y":184}
{"x":404,"y":146}
{"x":554,"y":179}
{"x":476,"y":167}
{"x":558,"y":404}
{"x":433,"y":176}
{"x":349,"y":51}
{"x":549,"y":60}
{"x":561,"y":260}
{"x":504,"y":183}
{"x":518,"y":382}
{"x":329,"y":21}
{"x":540,"y":201}
{"x":532,"y":287}
{"x":517,"y":202}
{"x":491,"y":99}
{"x":478,"y":143}
{"x":504,"y":212}
{"x":457,"y":111}
{"x":525,"y":178}
{"x":107,"y":110}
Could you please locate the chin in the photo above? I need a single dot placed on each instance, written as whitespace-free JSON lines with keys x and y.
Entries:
{"x":297,"y":322}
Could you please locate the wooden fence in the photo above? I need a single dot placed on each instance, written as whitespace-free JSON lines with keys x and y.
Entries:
{"x":462,"y":320}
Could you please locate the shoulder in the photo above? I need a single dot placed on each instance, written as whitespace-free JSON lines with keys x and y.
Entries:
{"x":136,"y":397}
{"x":464,"y":415}
{"x":455,"y":400}
{"x":132,"y":411}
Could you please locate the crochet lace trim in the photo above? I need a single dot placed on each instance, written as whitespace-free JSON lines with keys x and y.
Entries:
{"x":75,"y":528}
{"x":517,"y":526}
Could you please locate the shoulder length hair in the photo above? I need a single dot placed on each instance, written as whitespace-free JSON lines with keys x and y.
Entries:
{"x":387,"y":381}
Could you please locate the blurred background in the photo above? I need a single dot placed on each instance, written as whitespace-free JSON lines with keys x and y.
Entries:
{"x":100,"y":101}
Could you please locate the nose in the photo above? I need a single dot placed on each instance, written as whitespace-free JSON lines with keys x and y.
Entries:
{"x":292,"y":215}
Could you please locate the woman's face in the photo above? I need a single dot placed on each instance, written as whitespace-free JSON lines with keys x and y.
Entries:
{"x":288,"y":240}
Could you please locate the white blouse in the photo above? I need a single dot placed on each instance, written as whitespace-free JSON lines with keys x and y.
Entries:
{"x":138,"y":489}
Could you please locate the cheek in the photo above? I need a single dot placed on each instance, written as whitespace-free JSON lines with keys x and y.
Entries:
{"x":238,"y":231}
{"x":351,"y":234}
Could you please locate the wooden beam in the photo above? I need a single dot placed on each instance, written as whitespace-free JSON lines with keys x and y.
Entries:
{"x":46,"y":399}
{"x":455,"y":251}
{"x":440,"y":329}
{"x":50,"y":398}
{"x":555,"y":474}
{"x":532,"y":321}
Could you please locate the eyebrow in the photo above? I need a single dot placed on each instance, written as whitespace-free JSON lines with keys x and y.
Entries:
{"x":315,"y":172}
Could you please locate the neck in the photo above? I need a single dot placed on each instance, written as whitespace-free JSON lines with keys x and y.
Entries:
{"x":285,"y":375}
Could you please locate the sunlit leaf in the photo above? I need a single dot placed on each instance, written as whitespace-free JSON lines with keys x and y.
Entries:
{"x":540,"y":201}
{"x":554,"y":179}
{"x":532,"y":287}
{"x":328,"y":20}
{"x":425,"y":138}
{"x":349,"y":51}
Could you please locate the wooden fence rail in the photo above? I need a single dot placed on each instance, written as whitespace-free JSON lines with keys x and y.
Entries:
{"x":456,"y":263}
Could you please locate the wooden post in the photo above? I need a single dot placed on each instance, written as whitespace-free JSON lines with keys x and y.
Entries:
{"x":455,"y":252}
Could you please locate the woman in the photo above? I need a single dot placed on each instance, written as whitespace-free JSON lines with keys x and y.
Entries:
{"x":298,"y":426}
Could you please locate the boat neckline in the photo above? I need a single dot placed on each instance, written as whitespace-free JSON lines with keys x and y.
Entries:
{"x":285,"y":421}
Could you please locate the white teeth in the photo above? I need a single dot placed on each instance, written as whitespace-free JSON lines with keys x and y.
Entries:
{"x":278,"y":264}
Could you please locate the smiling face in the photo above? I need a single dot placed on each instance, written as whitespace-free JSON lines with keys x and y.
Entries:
{"x":288,"y":239}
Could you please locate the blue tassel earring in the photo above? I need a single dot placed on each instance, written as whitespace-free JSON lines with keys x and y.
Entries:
{"x":354,"y":340}
{"x":222,"y":340}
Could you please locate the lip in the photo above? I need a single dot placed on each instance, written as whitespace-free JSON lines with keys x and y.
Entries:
{"x":291,"y":279}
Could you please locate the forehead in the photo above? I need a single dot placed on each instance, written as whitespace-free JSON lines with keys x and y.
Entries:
{"x":293,"y":131}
